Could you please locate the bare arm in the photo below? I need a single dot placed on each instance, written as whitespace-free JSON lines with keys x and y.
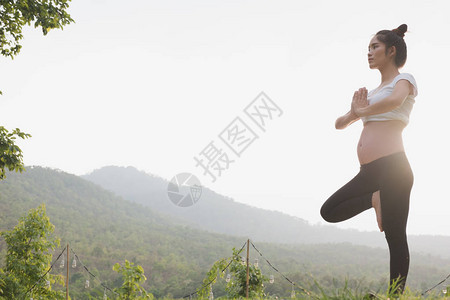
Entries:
{"x":345,"y":120}
{"x":399,"y":94}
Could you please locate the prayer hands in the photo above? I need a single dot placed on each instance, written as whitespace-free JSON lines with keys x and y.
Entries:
{"x":359,"y":101}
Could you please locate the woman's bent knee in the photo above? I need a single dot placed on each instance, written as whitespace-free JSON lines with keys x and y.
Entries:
{"x":327,"y":215}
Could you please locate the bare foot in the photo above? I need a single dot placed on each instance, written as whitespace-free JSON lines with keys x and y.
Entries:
{"x":377,"y":205}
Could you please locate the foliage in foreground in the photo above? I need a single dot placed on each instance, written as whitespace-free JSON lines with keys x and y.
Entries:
{"x":318,"y":292}
{"x":236,"y":286}
{"x":29,"y":247}
{"x":132,"y":277}
{"x":236,"y":278}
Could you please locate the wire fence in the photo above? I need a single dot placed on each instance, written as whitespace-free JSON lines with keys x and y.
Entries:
{"x":190,"y":295}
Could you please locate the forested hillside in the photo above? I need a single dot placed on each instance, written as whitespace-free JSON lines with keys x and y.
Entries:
{"x":104,"y":229}
{"x":212,"y":213}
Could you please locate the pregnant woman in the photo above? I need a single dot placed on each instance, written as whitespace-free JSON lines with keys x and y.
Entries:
{"x":385,"y":178}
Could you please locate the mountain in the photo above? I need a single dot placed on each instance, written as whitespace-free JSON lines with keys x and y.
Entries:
{"x":103,"y":228}
{"x":221,"y":214}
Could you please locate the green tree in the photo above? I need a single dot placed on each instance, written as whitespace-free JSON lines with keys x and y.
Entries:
{"x":10,"y":154}
{"x":14,"y":14}
{"x":132,"y":277}
{"x":217,"y":270}
{"x":28,"y":258}
{"x":237,"y":285}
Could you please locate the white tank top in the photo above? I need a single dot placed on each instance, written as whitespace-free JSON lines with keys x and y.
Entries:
{"x":400,"y":113}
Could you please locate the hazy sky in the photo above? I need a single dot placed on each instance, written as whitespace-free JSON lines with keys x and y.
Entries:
{"x":151,"y":83}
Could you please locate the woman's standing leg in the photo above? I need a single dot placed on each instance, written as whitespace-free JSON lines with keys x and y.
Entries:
{"x":395,"y":189}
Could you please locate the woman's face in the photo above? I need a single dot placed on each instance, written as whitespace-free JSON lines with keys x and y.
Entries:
{"x":377,"y":54}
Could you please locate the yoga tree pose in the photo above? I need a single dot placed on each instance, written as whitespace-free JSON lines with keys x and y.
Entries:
{"x":385,"y":178}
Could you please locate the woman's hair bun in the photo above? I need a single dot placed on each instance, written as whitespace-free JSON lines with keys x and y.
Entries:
{"x":400,"y":30}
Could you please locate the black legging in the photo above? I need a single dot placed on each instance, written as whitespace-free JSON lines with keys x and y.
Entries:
{"x":392,"y":176}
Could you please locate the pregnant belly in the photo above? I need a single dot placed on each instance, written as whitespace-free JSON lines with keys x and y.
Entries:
{"x":380,"y":139}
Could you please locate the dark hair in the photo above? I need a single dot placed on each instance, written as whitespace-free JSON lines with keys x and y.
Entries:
{"x":394,"y":37}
